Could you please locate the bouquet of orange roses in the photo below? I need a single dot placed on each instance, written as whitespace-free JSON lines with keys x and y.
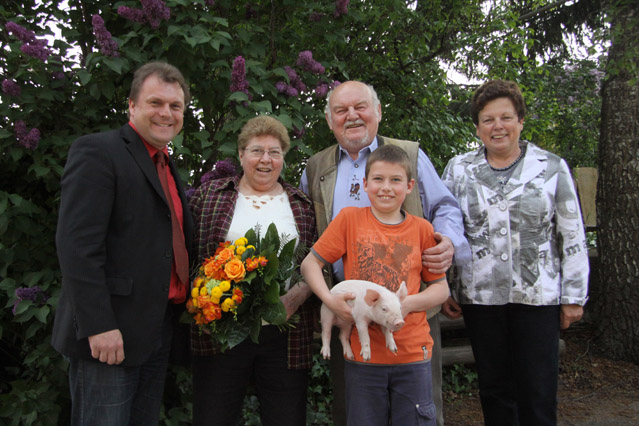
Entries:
{"x":240,"y":286}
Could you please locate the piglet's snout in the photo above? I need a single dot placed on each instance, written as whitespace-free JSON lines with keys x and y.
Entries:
{"x":397,"y":324}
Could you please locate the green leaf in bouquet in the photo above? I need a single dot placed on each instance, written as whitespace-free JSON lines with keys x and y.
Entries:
{"x":247,"y":253}
{"x":236,"y":334}
{"x":287,"y":254}
{"x":250,"y":276}
{"x":272,"y":267}
{"x":271,"y":240}
{"x":272,"y":295}
{"x":256,"y":326}
{"x":251,"y":236}
{"x":275,"y":314}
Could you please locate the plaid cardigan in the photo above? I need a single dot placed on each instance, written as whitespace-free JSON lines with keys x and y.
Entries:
{"x":213,"y":205}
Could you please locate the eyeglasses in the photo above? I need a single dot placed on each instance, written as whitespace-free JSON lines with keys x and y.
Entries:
{"x":258,"y":152}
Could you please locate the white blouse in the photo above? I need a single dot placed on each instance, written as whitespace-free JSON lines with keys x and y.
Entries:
{"x":262,"y":210}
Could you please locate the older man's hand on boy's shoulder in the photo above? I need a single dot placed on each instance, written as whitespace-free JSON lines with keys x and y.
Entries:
{"x":439,"y":258}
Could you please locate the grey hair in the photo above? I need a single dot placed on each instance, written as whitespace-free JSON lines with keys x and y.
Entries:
{"x":371,"y":89}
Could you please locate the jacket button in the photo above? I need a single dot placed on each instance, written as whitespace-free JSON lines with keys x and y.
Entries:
{"x":504,"y":257}
{"x":503,"y":231}
{"x":168,"y":253}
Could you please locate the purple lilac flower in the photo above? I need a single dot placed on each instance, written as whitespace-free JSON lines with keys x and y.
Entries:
{"x":207,"y":176}
{"x":292,"y":75}
{"x":34,"y":294}
{"x":316,"y":16}
{"x":281,"y":86}
{"x":11,"y":88}
{"x":224,"y":168}
{"x":221,"y":169}
{"x":210,"y":2}
{"x":25,"y":36}
{"x":28,"y":139}
{"x":58,"y":75}
{"x":155,"y":11}
{"x":292,"y":91}
{"x":238,"y":76}
{"x":321,"y":90}
{"x":36,"y":50}
{"x":334,"y":84}
{"x":31,"y":140}
{"x":296,"y":81}
{"x":30,"y":44}
{"x":108,"y":46}
{"x":135,"y":15}
{"x":20,"y":129}
{"x":305,"y":61}
{"x":341,"y":7}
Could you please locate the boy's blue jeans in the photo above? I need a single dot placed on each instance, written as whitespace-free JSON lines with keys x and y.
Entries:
{"x":400,"y":393}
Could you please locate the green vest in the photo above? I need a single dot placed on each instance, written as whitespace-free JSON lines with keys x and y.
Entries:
{"x":321,"y":173}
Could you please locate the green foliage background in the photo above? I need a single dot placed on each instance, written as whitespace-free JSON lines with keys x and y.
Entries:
{"x":400,"y":47}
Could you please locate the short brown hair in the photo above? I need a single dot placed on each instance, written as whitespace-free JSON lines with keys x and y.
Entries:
{"x":389,"y":154}
{"x":494,"y":89}
{"x":264,"y":125}
{"x":165,"y":72}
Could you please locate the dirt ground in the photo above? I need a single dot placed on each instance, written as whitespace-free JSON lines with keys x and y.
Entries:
{"x":593,"y":390}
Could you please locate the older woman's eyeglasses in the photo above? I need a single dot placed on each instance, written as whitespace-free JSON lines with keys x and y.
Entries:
{"x":258,"y":152}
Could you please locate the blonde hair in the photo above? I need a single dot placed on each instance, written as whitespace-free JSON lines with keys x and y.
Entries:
{"x":264,"y":125}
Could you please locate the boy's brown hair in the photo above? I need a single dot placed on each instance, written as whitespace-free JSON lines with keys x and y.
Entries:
{"x":389,"y":154}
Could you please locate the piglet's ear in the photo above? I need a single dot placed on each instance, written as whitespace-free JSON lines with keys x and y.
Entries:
{"x":403,"y":291}
{"x":371,"y":297}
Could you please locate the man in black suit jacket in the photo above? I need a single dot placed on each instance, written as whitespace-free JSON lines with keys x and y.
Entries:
{"x":121,"y":240}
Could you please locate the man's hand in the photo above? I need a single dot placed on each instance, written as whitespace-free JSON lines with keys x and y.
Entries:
{"x":439,"y":258}
{"x":295,"y":297}
{"x":451,"y":309}
{"x":107,"y":347}
{"x":570,"y":314}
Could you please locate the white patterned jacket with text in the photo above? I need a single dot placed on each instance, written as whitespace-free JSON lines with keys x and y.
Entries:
{"x":526,"y":236}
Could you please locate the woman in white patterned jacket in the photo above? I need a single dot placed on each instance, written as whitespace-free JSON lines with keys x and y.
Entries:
{"x":529,"y":272}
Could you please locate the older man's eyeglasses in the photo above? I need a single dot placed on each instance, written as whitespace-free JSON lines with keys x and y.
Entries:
{"x":258,"y":152}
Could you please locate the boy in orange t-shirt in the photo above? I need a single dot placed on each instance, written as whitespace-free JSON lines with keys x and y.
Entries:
{"x":383,"y":244}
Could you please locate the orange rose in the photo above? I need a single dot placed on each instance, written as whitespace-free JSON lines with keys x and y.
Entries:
{"x":212,"y":313}
{"x":209,"y":269}
{"x":225,"y":255}
{"x":235,"y":270}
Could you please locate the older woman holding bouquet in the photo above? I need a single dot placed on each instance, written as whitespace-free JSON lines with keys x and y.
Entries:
{"x":529,"y":270}
{"x":224,"y":209}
